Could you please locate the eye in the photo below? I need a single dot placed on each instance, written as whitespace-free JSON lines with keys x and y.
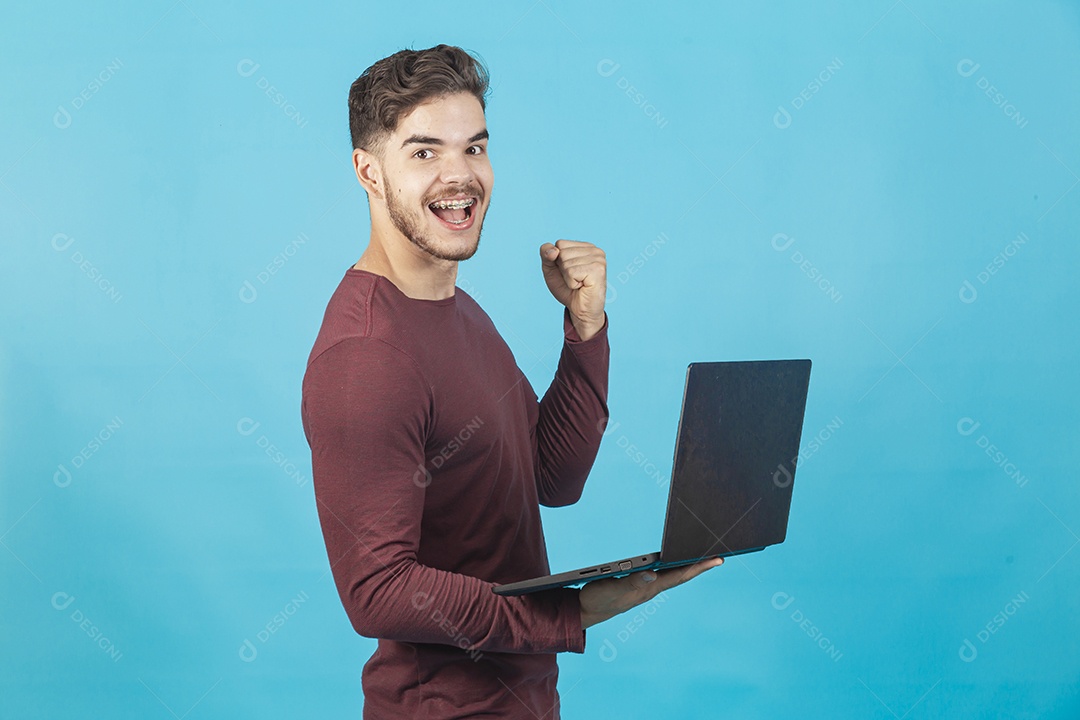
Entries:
{"x":421,"y":151}
{"x":481,"y":148}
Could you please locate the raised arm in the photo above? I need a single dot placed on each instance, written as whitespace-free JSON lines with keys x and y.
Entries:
{"x":366,"y":412}
{"x":574,"y":413}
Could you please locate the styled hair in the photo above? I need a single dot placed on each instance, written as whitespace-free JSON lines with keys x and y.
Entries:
{"x":392,"y":87}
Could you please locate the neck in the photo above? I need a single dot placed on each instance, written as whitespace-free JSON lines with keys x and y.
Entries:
{"x":415,"y":273}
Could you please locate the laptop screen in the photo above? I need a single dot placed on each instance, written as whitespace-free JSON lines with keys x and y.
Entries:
{"x":735,"y":453}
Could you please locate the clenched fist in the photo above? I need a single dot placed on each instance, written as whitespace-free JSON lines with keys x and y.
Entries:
{"x":576,"y":274}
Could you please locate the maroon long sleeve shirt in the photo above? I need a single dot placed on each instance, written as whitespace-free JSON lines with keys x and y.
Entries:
{"x":431,"y":455}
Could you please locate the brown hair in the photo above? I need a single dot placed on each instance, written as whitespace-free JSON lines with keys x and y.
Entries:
{"x":395,"y":85}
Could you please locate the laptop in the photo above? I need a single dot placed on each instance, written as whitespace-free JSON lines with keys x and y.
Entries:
{"x":731,"y":481}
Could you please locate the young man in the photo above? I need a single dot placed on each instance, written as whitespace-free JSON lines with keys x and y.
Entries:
{"x":431,"y":453}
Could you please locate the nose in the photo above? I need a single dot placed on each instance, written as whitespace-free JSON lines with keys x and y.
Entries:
{"x":456,"y":170}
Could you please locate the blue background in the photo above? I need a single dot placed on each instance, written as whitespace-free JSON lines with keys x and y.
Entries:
{"x":172,"y":233}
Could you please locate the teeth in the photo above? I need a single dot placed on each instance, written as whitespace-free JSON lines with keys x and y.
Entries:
{"x":455,"y":204}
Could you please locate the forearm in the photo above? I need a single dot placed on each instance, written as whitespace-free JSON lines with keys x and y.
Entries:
{"x":414,"y":603}
{"x":573,"y":413}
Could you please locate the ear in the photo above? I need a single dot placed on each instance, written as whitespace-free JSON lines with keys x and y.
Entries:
{"x":369,"y":172}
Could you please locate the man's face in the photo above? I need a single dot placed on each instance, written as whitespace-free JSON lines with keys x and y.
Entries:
{"x":438,"y":152}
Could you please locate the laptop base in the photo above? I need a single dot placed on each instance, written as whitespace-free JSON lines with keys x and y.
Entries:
{"x":619,"y":568}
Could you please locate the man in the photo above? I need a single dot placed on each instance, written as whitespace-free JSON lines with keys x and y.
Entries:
{"x":431,"y":453}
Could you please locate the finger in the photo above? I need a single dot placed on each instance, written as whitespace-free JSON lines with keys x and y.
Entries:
{"x":582,"y":254}
{"x":577,"y":277}
{"x":589,"y":260}
{"x":583,"y":268}
{"x":642,"y":580}
{"x":561,"y":242}
{"x":677,"y":576}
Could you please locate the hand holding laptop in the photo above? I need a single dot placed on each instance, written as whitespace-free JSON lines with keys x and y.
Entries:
{"x":604,"y":599}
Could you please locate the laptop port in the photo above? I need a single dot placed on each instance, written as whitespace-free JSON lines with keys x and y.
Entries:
{"x":587,"y":572}
{"x":625,"y":565}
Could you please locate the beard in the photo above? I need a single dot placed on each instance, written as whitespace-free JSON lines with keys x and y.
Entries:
{"x":412,"y":226}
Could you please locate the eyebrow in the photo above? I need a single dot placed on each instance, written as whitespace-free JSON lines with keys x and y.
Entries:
{"x":425,"y":140}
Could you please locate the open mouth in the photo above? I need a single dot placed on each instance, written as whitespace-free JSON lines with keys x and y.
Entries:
{"x":454,"y":213}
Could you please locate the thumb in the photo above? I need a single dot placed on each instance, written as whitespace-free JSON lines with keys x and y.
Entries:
{"x":548,"y":253}
{"x":553,"y":274}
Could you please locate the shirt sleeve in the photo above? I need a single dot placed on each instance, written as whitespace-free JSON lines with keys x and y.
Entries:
{"x":573,"y":416}
{"x":366,"y":411}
